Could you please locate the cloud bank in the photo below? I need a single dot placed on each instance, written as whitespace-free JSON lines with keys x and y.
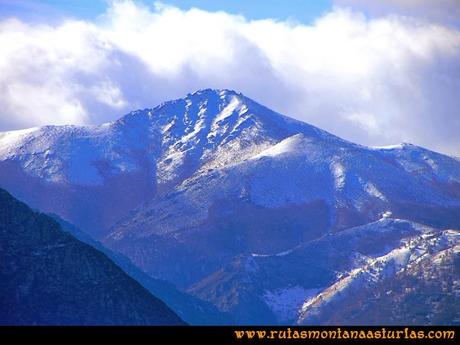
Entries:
{"x":373,"y":81}
{"x":445,"y":11}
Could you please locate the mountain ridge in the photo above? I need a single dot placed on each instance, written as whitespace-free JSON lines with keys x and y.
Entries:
{"x":190,"y":309}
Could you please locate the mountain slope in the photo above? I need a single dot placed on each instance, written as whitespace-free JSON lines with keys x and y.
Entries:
{"x":296,"y":191}
{"x":418,"y":283}
{"x":339,"y":266}
{"x":50,"y":278}
{"x":190,"y":309}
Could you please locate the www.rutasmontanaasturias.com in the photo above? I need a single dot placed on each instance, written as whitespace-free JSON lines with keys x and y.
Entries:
{"x":341,"y":333}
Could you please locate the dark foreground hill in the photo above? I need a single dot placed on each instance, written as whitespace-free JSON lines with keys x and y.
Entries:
{"x":47,"y":277}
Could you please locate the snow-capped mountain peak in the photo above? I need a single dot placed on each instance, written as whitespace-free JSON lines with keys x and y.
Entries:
{"x":274,"y":159}
{"x":155,"y":149}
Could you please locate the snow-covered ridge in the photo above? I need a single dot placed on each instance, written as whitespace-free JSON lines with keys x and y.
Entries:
{"x":223,"y":143}
{"x":427,"y":244}
{"x":393,"y":147}
{"x":291,"y":145}
{"x":209,"y":128}
{"x":11,"y":140}
{"x":302,"y":281}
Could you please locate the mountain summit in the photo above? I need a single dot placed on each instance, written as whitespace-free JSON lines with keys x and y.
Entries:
{"x":82,"y":172}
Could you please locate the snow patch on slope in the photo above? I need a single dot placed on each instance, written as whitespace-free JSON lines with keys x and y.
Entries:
{"x":228,"y":110}
{"x":372,"y":190}
{"x":286,"y":303}
{"x":292,"y":144}
{"x":338,"y":172}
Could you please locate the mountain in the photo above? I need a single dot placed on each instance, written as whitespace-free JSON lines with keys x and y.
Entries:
{"x":190,"y":309}
{"x":286,"y":183}
{"x":416,"y":284}
{"x":94,"y":175}
{"x":320,"y":281}
{"x":50,"y":278}
{"x":202,"y":190}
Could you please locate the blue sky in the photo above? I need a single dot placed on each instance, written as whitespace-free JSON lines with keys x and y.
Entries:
{"x":298,"y":10}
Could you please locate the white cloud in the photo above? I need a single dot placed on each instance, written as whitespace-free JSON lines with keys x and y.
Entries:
{"x":374,"y":81}
{"x":447,"y":11}
{"x":109,"y":94}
